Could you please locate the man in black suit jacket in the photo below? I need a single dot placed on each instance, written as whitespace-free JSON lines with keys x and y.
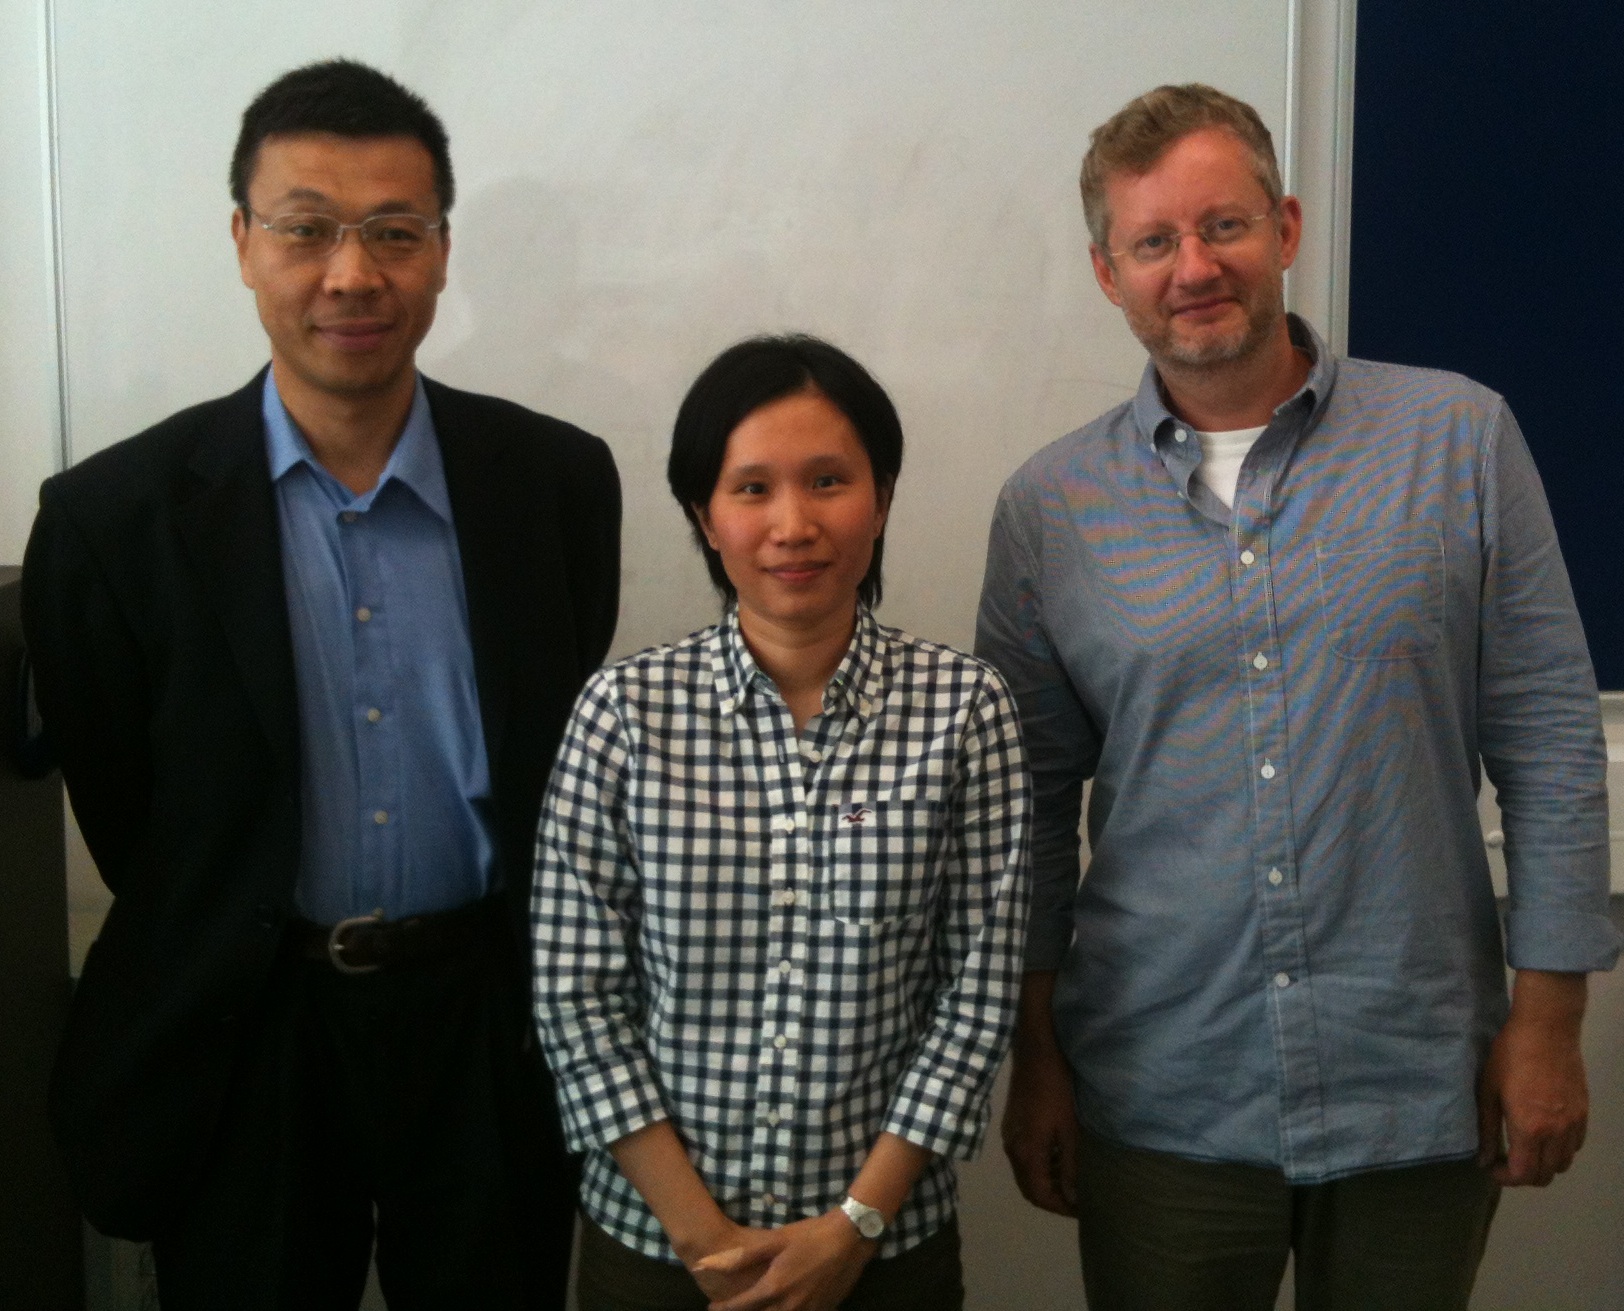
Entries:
{"x":255,"y":1087}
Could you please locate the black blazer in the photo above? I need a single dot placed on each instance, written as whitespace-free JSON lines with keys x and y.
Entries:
{"x":154,"y":613}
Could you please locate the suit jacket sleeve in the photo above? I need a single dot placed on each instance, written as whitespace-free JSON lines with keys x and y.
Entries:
{"x":592,"y":511}
{"x":91,"y":685}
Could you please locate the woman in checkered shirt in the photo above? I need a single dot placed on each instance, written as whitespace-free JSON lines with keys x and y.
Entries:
{"x":781,"y":888}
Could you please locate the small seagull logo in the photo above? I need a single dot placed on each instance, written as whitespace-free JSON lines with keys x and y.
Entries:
{"x":858,"y":815}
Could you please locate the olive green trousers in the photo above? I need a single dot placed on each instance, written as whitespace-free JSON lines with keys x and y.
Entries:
{"x":1161,"y":1233}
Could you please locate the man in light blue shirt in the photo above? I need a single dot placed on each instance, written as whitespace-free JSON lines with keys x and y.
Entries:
{"x":306,"y":652}
{"x":1281,"y":609}
{"x":396,"y":779}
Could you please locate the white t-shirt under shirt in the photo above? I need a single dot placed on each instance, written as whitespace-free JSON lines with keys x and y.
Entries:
{"x":1222,"y":454}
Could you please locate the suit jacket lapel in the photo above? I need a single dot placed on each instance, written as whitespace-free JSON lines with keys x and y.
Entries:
{"x":229,"y":526}
{"x":494,"y":575}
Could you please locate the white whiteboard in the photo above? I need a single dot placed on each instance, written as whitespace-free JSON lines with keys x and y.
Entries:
{"x":641,"y":183}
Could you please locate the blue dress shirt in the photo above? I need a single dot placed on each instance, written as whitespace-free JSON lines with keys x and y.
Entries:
{"x":394,"y":778}
{"x":1286,"y":949}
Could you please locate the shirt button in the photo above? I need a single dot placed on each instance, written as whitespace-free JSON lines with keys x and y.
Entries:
{"x":363,"y":614}
{"x":1282,"y":980}
{"x":349,"y":516}
{"x":767,"y":1199}
{"x":812,"y":753}
{"x":1276,"y":877}
{"x":1179,"y":435}
{"x":1260,"y":661}
{"x":1267,"y":771}
{"x":772,"y":1118}
{"x":786,"y":898}
{"x":780,"y":1042}
{"x":380,"y":816}
{"x":374,"y":715}
{"x":784,"y":967}
{"x":1247,"y":557}
{"x":785,"y":824}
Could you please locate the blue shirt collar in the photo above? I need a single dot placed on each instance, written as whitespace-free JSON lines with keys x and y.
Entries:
{"x":415,"y":462}
{"x":1150,"y":410}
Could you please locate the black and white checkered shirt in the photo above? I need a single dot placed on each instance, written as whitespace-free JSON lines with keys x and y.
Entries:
{"x":784,"y":945}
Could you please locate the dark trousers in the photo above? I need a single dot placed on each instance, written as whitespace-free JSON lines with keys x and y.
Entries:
{"x":1159,"y":1233}
{"x":612,"y":1277}
{"x":411,"y":1095}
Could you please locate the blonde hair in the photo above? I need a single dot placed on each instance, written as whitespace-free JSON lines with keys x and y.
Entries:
{"x":1142,"y":131}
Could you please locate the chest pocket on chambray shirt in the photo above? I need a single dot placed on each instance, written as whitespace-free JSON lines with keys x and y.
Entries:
{"x":878,"y":867}
{"x":1382,"y":594}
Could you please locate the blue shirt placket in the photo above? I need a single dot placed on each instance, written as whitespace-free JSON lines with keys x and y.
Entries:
{"x":381,"y":820}
{"x":392,"y":754}
{"x":1286,"y":978}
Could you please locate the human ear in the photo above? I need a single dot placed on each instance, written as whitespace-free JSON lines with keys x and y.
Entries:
{"x":1291,"y":229}
{"x":882,"y":506}
{"x":239,"y":237}
{"x":703,"y":519}
{"x":1105,"y":274}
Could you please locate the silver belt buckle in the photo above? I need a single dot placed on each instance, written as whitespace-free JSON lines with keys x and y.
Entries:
{"x":335,"y":943}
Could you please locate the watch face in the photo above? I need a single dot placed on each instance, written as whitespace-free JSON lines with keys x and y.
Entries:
{"x":871,"y":1224}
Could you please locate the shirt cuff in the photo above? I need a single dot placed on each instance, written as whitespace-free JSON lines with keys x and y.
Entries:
{"x":1565,"y":941}
{"x":601,"y":1104}
{"x":941,"y":1117}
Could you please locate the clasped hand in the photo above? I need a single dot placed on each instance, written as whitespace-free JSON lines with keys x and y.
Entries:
{"x":809,"y":1265}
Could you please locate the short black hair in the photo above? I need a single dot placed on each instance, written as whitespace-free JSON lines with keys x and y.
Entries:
{"x":756,"y":372}
{"x":348,"y":99}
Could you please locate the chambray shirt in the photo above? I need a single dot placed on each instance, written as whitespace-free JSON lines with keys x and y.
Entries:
{"x":783,"y":943}
{"x":1286,"y":948}
{"x":393,"y":776}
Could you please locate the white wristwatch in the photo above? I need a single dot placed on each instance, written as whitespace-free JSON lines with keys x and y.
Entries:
{"x":868,"y":1222}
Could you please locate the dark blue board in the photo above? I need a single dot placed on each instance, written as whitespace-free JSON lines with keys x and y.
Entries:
{"x":1488,"y":237}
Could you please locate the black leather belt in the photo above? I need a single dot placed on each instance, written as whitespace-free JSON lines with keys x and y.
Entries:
{"x":365,"y":943}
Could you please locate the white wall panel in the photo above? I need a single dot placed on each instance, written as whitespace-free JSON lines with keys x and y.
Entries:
{"x":642,"y":183}
{"x":28,"y":384}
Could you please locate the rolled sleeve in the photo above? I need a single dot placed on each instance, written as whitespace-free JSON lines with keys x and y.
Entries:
{"x":585,"y":908}
{"x":1539,"y":724}
{"x":942,"y":1100}
{"x":1061,"y":742}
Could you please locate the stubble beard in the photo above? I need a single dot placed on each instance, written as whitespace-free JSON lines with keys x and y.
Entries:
{"x":1161,"y":338}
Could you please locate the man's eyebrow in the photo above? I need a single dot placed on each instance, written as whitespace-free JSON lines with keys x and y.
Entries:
{"x":306,"y":193}
{"x":311,"y":196}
